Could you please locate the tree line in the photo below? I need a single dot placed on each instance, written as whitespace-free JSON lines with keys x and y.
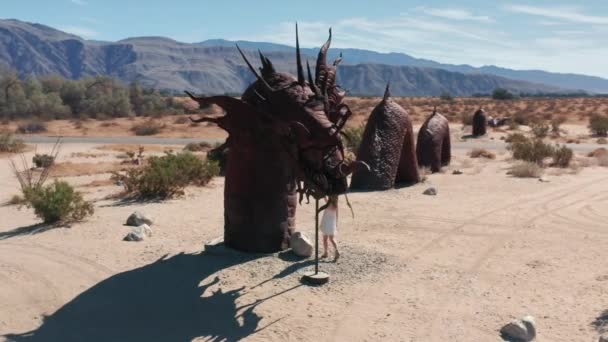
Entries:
{"x":100,"y":97}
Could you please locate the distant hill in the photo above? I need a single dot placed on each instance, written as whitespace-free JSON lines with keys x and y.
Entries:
{"x":215,"y":67}
{"x":586,"y":83}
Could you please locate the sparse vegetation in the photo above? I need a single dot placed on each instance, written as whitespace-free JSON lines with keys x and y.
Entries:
{"x":167,"y":176}
{"x":466,"y":119}
{"x":354,"y":135}
{"x":515,"y":138}
{"x":598,"y":124}
{"x":556,"y":124}
{"x":32,"y":127}
{"x":536,"y":151}
{"x":602,"y":141}
{"x":562,"y":156}
{"x":526,"y":170}
{"x":53,"y":203}
{"x":147,"y":128}
{"x":10,"y":144}
{"x":540,"y":129}
{"x":198,"y":147}
{"x":482,"y":153}
{"x":43,"y":160}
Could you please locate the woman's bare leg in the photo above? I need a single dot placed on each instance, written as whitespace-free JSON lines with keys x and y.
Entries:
{"x":333,"y":242}
{"x":324,"y":246}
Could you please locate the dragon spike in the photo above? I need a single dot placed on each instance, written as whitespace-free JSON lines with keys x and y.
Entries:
{"x":313,"y":86}
{"x":387,"y":91}
{"x":322,"y":57}
{"x":301,"y":80}
{"x":267,"y":67}
{"x":338,"y":60}
{"x":260,"y":78}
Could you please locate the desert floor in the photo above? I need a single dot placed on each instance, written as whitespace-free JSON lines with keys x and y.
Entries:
{"x":454,"y":267}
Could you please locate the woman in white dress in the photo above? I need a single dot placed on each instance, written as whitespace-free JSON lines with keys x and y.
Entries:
{"x":329,"y":226}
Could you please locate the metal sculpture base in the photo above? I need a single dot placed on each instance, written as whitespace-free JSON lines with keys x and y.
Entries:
{"x":316,"y":277}
{"x":313,"y":278}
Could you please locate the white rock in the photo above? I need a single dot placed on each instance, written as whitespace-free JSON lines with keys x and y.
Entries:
{"x":139,"y":233}
{"x":432,"y":191}
{"x":301,"y":245}
{"x":520,"y":330}
{"x":137,"y":219}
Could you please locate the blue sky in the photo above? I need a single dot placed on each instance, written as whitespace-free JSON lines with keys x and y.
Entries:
{"x":561,"y":36}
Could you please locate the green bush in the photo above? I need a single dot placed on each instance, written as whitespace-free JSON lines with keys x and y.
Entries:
{"x":43,"y":160}
{"x":540,"y":129}
{"x":515,"y":138}
{"x":502,"y":94}
{"x":531,"y":150}
{"x":8,"y":143}
{"x":562,"y":156}
{"x":167,"y":176}
{"x":58,"y":203}
{"x":354,"y":135}
{"x":598,"y":124}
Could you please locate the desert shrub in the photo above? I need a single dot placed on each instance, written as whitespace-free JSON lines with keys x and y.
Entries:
{"x":515,"y":137}
{"x":10,"y":144}
{"x":520,"y":118}
{"x":531,"y":150}
{"x":513,"y":125}
{"x":32,"y":127}
{"x":197,"y":147}
{"x":482,"y":153}
{"x":562,"y":156}
{"x":598,"y":124}
{"x":167,"y":176}
{"x":540,"y":129}
{"x":43,"y":160}
{"x":354,"y":135}
{"x":502,"y":94}
{"x":526,"y":170}
{"x":147,"y":128}
{"x":556,"y":124}
{"x":58,"y":202}
{"x":602,"y":141}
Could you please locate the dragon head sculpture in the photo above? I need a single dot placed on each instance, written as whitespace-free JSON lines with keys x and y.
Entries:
{"x":306,"y":112}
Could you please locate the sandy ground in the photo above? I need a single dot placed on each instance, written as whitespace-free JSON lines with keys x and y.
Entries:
{"x":455,"y":267}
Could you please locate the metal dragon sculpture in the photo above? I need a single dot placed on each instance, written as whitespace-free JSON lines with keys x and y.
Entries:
{"x":284,"y":142}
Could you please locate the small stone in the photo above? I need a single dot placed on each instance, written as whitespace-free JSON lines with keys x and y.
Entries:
{"x":300,"y":244}
{"x":137,"y":219}
{"x":456,"y":172}
{"x":139,"y":233}
{"x":520,"y":330}
{"x":543,"y":180}
{"x":432,"y":191}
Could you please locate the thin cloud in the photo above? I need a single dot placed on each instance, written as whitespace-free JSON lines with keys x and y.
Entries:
{"x":571,"y":14}
{"x":455,"y":14}
{"x":79,"y":2}
{"x":80,"y":31}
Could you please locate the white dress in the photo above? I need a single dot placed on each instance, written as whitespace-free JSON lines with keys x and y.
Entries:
{"x":329,"y":221}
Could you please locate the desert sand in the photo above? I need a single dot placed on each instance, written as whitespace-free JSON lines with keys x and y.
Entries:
{"x":452,"y":267}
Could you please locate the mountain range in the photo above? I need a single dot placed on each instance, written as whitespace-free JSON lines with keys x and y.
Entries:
{"x":215,"y":66}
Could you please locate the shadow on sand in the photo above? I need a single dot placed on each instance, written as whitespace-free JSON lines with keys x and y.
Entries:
{"x":27,"y":230}
{"x":162,"y":301}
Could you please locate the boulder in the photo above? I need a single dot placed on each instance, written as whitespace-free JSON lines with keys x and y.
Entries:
{"x":301,"y":245}
{"x":432,"y":191}
{"x":137,"y":219}
{"x":520,"y":330}
{"x":139,"y":233}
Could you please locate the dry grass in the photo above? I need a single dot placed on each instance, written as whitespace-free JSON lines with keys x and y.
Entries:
{"x":134,"y":148}
{"x":69,"y":169}
{"x":482,"y":153}
{"x":526,"y":170}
